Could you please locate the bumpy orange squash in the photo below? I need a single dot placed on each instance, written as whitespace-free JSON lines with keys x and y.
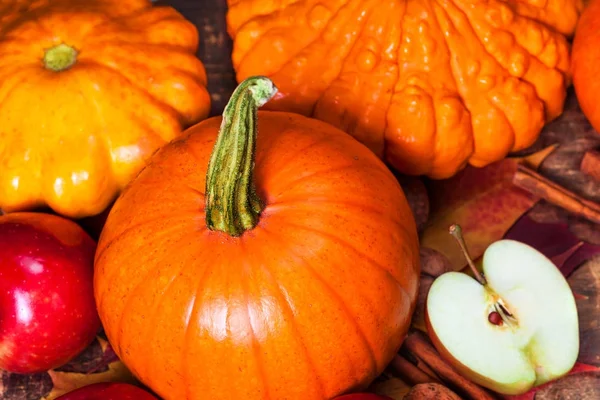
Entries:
{"x":427,"y":85}
{"x":282,"y":266}
{"x":88,"y":90}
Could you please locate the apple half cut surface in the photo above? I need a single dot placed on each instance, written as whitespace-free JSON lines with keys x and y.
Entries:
{"x":514,"y":327}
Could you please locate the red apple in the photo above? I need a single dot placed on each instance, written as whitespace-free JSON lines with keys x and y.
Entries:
{"x":108,"y":391}
{"x":47,"y":309}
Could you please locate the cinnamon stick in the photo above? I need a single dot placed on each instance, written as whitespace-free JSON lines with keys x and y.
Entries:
{"x":531,"y":181}
{"x":419,"y":363}
{"x":410,"y":372}
{"x":590,"y":165}
{"x":418,"y":345}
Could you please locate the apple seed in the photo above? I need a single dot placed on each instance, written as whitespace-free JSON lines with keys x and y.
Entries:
{"x":495,"y":318}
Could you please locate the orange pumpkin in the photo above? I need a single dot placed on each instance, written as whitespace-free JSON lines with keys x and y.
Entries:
{"x":88,"y":91}
{"x":285,"y":268}
{"x":429,"y":86}
{"x":585,"y":63}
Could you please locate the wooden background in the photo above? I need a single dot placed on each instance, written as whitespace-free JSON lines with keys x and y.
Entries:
{"x":215,"y":45}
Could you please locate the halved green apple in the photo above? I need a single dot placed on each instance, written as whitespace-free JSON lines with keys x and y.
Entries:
{"x":514,"y":327}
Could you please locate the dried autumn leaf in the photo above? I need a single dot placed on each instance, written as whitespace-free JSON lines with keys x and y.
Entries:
{"x":555,"y":241}
{"x":25,"y":387}
{"x":483,"y":201}
{"x":97,"y":363}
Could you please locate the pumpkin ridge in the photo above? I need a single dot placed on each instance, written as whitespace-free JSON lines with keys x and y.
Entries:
{"x":131,"y":294}
{"x":351,"y":19}
{"x":28,"y":73}
{"x":266,"y":33}
{"x":363,"y":21}
{"x":301,"y":152}
{"x":435,"y":96}
{"x":104,"y":140}
{"x":433,"y":162}
{"x":292,"y":320}
{"x":148,"y":128}
{"x":388,"y":109}
{"x":344,"y":60}
{"x":255,"y":343}
{"x":108,"y":134}
{"x":173,"y":227}
{"x":278,"y":206}
{"x":539,"y":11}
{"x":156,"y":49}
{"x":159,"y":104}
{"x":468,"y":104}
{"x":193,"y":314}
{"x":291,"y":183}
{"x":339,"y":104}
{"x":345,"y":310}
{"x":348,"y":246}
{"x":147,"y":335}
{"x":517,"y":42}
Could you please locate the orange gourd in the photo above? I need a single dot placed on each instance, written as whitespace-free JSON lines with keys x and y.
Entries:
{"x":88,"y":91}
{"x":284,"y":265}
{"x":429,"y":86}
{"x":585,"y":63}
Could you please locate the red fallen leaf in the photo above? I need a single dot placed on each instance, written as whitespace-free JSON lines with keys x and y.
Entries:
{"x":483,"y":201}
{"x":555,"y":241}
{"x":530,"y":395}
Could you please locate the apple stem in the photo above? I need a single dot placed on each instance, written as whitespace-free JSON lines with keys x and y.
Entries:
{"x":456,"y":231}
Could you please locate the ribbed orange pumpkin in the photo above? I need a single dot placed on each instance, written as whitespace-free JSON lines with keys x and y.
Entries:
{"x":429,"y":86}
{"x":88,"y":91}
{"x":585,"y":63}
{"x":292,"y":275}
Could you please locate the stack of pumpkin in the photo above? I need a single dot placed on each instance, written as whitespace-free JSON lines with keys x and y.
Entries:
{"x":272,"y":253}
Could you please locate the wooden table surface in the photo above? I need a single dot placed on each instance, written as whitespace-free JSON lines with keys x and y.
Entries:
{"x":215,"y":45}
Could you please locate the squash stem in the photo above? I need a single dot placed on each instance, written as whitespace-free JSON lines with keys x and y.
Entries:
{"x":60,"y":57}
{"x":232,"y":204}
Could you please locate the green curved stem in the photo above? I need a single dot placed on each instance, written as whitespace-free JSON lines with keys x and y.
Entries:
{"x":232,"y":204}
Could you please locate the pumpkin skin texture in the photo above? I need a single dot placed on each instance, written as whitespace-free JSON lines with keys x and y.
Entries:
{"x":428,"y":86}
{"x":585,"y":63}
{"x":88,"y":91}
{"x":310,"y":303}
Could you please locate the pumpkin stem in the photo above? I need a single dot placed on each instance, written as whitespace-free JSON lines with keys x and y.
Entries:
{"x":232,"y":204}
{"x":60,"y":57}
